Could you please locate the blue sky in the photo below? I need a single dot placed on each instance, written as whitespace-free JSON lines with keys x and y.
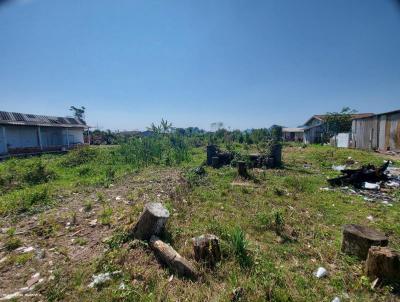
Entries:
{"x":244,"y":63}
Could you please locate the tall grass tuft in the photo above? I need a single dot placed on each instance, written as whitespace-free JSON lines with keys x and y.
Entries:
{"x":239,"y":245}
{"x":165,"y":150}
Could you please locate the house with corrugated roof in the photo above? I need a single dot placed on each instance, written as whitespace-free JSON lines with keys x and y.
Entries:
{"x":292,"y":134}
{"x":314,"y":127}
{"x":22,"y":133}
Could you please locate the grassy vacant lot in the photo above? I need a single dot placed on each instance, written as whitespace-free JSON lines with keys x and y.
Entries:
{"x":246,"y":215}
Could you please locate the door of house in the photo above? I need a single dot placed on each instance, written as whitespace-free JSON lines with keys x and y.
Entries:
{"x":3,"y":148}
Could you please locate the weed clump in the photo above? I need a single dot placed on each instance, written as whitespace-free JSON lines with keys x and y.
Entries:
{"x":239,"y":245}
{"x":12,"y":242}
{"x":79,"y":157}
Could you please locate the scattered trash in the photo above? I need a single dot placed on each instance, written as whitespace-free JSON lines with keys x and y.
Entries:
{"x":338,"y":168}
{"x":371,"y":186}
{"x":326,"y":189}
{"x":93,"y":223}
{"x":118,"y":198}
{"x":336,"y":299}
{"x":321,"y":272}
{"x":370,"y":218}
{"x":356,"y":177}
{"x":24,"y":249}
{"x":102,"y":278}
{"x":170,"y":278}
{"x":392,"y":184}
{"x":122,"y":286}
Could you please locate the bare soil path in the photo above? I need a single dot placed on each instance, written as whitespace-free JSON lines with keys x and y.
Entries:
{"x":74,"y":231}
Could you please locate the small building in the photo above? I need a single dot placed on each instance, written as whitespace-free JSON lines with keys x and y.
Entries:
{"x":378,"y":132}
{"x":292,"y":134}
{"x":30,"y":133}
{"x":315,"y":127}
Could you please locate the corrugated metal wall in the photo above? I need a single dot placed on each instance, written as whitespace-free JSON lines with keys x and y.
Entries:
{"x":313,"y":135}
{"x":379,"y":132}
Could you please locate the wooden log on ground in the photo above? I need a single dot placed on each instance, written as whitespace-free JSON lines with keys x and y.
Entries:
{"x":206,"y":249}
{"x":383,"y":263}
{"x":242,"y":169}
{"x":358,"y":239}
{"x":168,"y":256}
{"x":151,"y":221}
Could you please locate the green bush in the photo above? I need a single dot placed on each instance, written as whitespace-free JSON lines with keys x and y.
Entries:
{"x":80,"y":156}
{"x":35,"y":172}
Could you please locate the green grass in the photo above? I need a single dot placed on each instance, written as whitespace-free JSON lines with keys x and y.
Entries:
{"x":33,"y":184}
{"x":247,"y":219}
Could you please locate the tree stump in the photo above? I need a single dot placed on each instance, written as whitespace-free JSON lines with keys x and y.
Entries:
{"x":277,"y":154}
{"x":357,"y":240}
{"x":168,"y":256}
{"x":206,"y":249}
{"x":383,"y":263}
{"x":215,"y":162}
{"x":211,"y":152}
{"x":151,"y":221}
{"x":242,"y":169}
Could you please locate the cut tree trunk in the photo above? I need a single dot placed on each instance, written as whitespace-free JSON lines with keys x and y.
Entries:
{"x":215,"y":162}
{"x":211,"y":152}
{"x":357,"y":240}
{"x":168,"y":256}
{"x":151,"y":221}
{"x":206,"y":249}
{"x":277,"y":155}
{"x":383,"y":263}
{"x":242,"y":170}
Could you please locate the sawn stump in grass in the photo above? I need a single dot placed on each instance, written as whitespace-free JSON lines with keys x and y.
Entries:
{"x":168,"y":256}
{"x":151,"y":221}
{"x":206,"y":250}
{"x":242,"y":169}
{"x":383,"y":263}
{"x":357,"y":240}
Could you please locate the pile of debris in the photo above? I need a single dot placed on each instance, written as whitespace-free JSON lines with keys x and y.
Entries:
{"x":370,"y":182}
{"x":217,"y":158}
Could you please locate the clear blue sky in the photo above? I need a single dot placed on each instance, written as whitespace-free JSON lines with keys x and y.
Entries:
{"x":245,"y":63}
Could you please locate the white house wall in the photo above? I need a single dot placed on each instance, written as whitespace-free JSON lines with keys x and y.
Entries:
{"x":51,"y":137}
{"x":75,"y":136}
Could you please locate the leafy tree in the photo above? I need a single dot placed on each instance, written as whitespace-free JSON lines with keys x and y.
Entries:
{"x":78,"y":112}
{"x":336,"y":122}
{"x":276,"y":133}
{"x":164,"y":127}
{"x":217,"y":126}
